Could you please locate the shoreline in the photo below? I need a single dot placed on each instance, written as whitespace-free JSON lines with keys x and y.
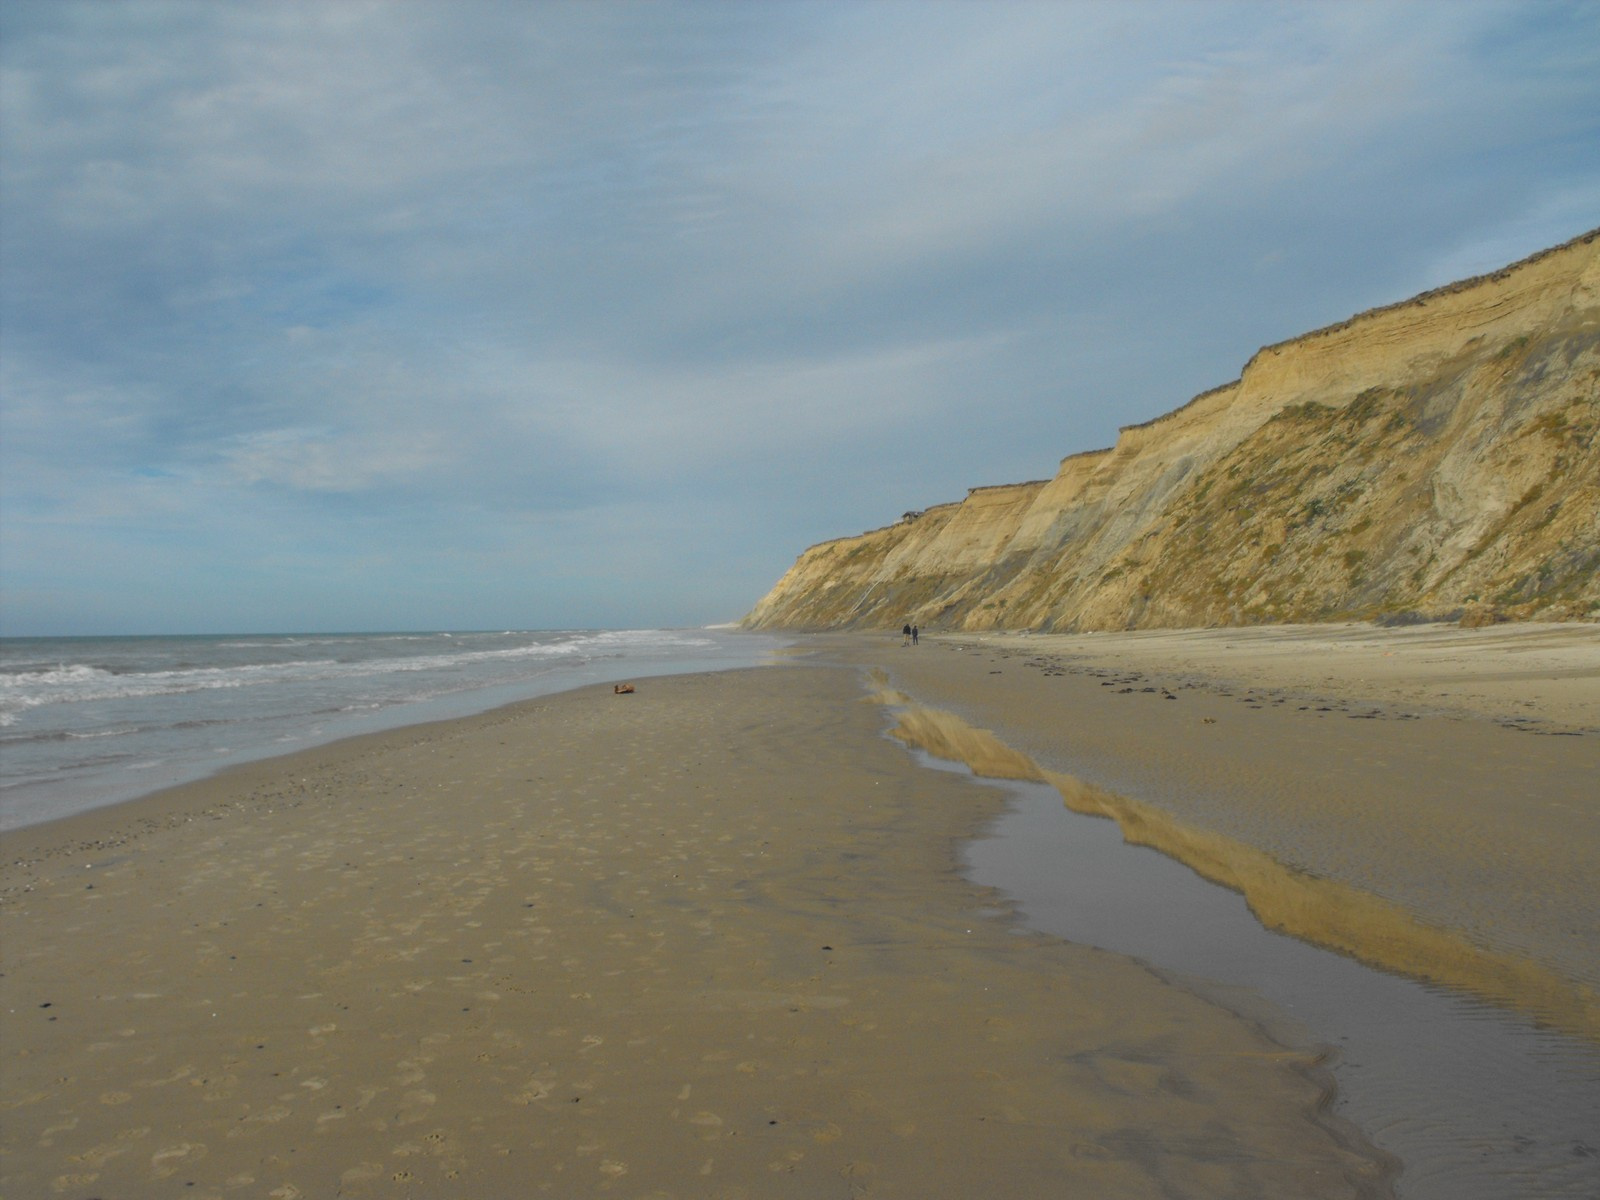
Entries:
{"x":346,"y":690}
{"x":686,"y":940}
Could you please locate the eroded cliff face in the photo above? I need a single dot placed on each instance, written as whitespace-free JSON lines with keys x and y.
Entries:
{"x":1433,"y":457}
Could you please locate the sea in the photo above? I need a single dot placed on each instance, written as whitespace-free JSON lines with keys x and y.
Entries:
{"x":87,"y":722}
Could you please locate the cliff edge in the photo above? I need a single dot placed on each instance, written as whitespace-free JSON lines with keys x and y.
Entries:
{"x":1425,"y":460}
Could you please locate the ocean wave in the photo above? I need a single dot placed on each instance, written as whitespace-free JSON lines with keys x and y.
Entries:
{"x":103,"y":719}
{"x":58,"y":675}
{"x":179,"y":669}
{"x":35,"y":685}
{"x":67,"y":735}
{"x":80,"y":683}
{"x":332,"y":639}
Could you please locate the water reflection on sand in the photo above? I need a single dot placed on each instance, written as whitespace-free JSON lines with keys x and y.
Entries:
{"x":1480,"y":1071}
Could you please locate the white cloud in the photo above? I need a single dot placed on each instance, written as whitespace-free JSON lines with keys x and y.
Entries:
{"x":325,"y":460}
{"x":440,"y":268}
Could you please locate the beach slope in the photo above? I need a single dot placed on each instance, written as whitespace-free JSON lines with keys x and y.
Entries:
{"x":709,"y":939}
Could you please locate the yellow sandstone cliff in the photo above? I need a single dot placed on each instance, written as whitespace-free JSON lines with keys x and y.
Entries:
{"x":1430,"y":459}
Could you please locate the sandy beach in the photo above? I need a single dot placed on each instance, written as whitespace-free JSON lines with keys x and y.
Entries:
{"x":712,"y":938}
{"x":707,"y":939}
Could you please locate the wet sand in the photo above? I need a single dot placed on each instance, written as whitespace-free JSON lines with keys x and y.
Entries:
{"x":709,"y":939}
{"x":1323,"y":742}
{"x":1422,"y":798}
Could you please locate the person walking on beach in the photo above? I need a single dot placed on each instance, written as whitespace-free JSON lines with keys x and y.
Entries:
{"x":913,"y":635}
{"x":905,"y":634}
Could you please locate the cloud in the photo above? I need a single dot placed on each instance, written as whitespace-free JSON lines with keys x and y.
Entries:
{"x":459,"y":291}
{"x":328,"y":460}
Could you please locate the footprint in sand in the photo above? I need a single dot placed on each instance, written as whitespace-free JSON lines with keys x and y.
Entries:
{"x":47,"y":1138}
{"x":98,"y":1156}
{"x":165,"y":1163}
{"x":414,"y":1107}
{"x":533,"y":1090}
{"x":708,"y":1121}
{"x":181,"y":1073}
{"x":271,"y":1116}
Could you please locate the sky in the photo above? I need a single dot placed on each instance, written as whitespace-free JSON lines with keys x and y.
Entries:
{"x":354,"y":315}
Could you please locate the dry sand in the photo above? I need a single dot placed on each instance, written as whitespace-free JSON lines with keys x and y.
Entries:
{"x":1542,"y":677}
{"x":1424,"y":798}
{"x":705,"y":940}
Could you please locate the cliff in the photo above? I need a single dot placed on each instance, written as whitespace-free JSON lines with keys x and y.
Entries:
{"x":1425,"y":459}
